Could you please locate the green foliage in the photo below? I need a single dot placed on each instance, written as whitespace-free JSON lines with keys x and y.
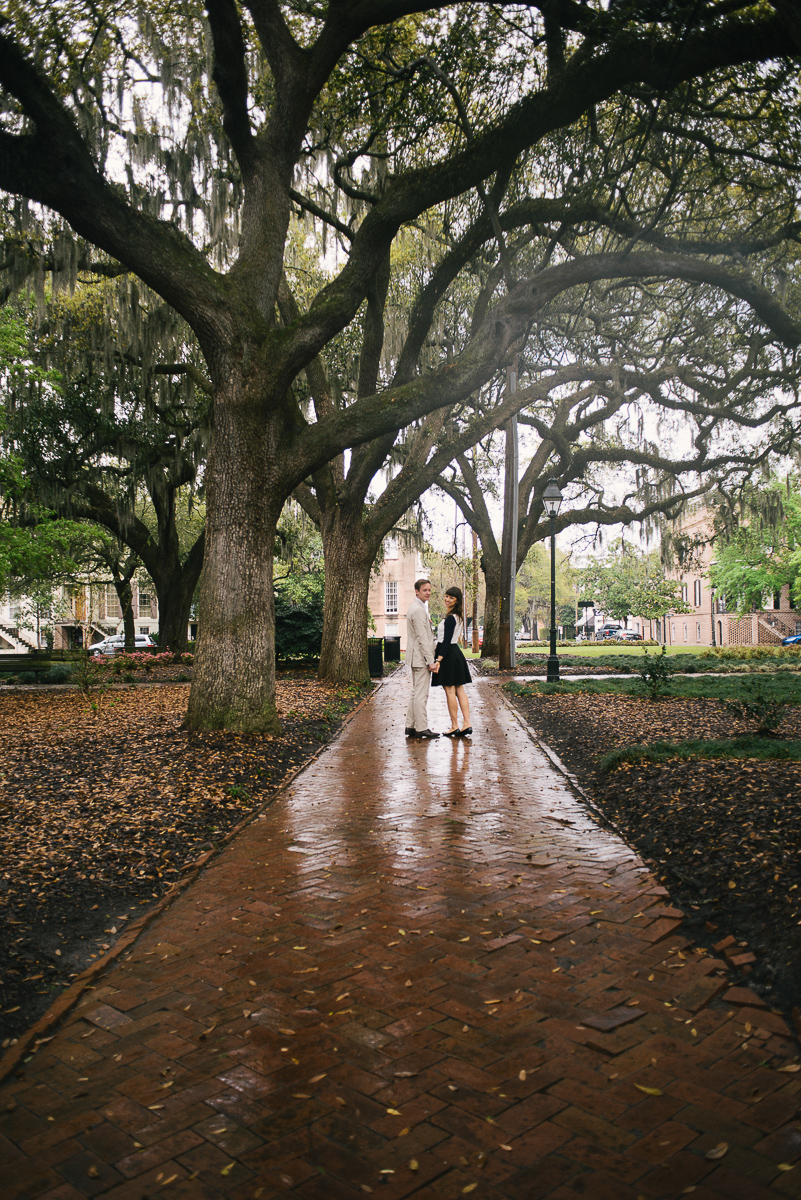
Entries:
{"x":740,"y":747}
{"x":778,"y":685}
{"x":655,"y":674}
{"x":625,"y":582}
{"x":758,"y":546}
{"x":533,"y":588}
{"x":299,"y":626}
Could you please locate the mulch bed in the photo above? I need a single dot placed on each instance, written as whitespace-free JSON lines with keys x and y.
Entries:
{"x":723,"y":835}
{"x":101,"y":813}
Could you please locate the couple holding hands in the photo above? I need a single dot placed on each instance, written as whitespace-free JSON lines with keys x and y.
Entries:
{"x":438,"y":661}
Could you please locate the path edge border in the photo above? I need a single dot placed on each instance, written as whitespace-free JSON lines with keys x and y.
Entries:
{"x":28,"y":1042}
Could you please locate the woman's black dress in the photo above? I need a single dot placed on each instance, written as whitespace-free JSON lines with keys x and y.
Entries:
{"x":453,"y":670}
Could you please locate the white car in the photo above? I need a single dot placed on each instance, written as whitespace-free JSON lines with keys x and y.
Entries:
{"x":116,"y":644}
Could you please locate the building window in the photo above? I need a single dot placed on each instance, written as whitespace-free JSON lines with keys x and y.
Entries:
{"x":145,"y":605}
{"x":697,"y":593}
{"x":685,"y":631}
{"x":698,"y":632}
{"x":777,"y":600}
{"x":391,"y":596}
{"x":684,"y":592}
{"x":112,"y":602}
{"x":390,"y":547}
{"x":673,"y":631}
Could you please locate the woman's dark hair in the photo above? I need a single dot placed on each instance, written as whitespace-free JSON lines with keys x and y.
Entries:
{"x":458,"y":609}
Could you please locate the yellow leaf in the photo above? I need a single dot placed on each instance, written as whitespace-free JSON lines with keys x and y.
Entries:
{"x":718,"y":1151}
{"x":732,"y":884}
{"x":521,"y":1075}
{"x":648,"y":1091}
{"x":393,"y":1112}
{"x":504,"y":1146}
{"x":467,"y":939}
{"x":317,"y":1078}
{"x":791,"y":1068}
{"x":471,"y":1187}
{"x":287,"y":1032}
{"x":408,"y":983}
{"x":298,"y":947}
{"x":784,"y":1166}
{"x":405,"y":1131}
{"x":228,"y":1169}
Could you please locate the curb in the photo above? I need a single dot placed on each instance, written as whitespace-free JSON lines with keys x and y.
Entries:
{"x":28,"y":1043}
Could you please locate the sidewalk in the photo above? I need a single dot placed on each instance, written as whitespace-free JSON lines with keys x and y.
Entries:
{"x":423,"y":972}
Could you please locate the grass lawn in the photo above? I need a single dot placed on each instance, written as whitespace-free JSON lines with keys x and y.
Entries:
{"x":784,"y":686}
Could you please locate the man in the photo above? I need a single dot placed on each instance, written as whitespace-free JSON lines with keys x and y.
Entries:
{"x":420,"y":643}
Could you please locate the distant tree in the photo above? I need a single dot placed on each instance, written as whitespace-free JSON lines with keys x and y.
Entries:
{"x":757,"y":544}
{"x":625,"y":582}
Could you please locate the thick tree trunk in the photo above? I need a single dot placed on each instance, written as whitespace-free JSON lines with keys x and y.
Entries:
{"x":234,"y":668}
{"x":175,"y":588}
{"x":492,"y":610}
{"x":175,"y":602}
{"x":125,"y":596}
{"x":348,"y":562}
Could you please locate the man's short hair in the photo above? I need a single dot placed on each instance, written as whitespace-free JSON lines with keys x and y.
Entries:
{"x":418,"y":583}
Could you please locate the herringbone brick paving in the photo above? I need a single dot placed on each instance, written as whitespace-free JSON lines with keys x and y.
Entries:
{"x":424,"y":972}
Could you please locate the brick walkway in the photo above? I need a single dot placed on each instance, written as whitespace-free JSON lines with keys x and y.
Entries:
{"x":423,"y":972}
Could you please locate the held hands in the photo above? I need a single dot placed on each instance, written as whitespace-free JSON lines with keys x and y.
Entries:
{"x":434,"y":667}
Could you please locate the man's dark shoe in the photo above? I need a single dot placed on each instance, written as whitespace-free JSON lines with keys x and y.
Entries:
{"x":426,"y":733}
{"x":410,"y":731}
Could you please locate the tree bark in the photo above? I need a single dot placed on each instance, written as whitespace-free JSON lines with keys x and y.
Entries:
{"x":234,"y":667}
{"x":125,"y":596}
{"x":349,"y":558}
{"x":175,"y":602}
{"x":492,"y":609}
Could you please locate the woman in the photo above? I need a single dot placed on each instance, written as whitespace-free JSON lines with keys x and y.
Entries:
{"x":452,"y":671}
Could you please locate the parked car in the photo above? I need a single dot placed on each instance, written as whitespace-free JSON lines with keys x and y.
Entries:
{"x":608,"y":631}
{"x":794,"y":640}
{"x":627,"y":635}
{"x":116,"y":644}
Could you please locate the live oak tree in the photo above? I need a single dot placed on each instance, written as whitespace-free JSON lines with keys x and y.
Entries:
{"x":179,"y":144}
{"x":114,"y":443}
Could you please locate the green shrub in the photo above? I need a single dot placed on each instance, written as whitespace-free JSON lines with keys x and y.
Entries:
{"x":655,"y":673}
{"x":298,"y":628}
{"x":59,"y":674}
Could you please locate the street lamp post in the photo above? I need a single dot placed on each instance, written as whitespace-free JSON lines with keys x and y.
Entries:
{"x":552,"y":498}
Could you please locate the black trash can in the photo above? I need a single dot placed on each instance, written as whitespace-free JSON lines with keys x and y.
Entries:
{"x":391,"y":649}
{"x":375,"y":657}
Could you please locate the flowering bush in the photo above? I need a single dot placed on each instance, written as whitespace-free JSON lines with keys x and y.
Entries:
{"x":139,"y":660}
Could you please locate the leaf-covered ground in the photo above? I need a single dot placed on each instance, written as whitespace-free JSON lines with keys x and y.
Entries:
{"x":100,"y":814}
{"x":723,"y":835}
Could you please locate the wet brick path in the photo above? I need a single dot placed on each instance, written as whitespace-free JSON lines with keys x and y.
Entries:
{"x":425,"y":972}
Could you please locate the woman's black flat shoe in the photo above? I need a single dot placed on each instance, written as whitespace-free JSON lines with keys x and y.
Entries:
{"x":453,"y":733}
{"x":464,"y":732}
